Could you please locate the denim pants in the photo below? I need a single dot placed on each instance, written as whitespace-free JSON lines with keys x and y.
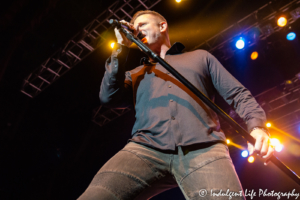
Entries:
{"x":138,"y":172}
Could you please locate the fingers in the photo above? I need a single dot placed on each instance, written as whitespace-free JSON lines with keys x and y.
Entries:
{"x":268,"y":155}
{"x":129,"y":25}
{"x":250,"y":148}
{"x":262,"y":148}
{"x":258,"y":145}
{"x":265,"y":147}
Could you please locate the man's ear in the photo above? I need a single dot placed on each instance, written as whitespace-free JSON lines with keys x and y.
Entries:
{"x":163,"y":26}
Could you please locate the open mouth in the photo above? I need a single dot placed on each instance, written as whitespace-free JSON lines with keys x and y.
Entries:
{"x":144,"y":40}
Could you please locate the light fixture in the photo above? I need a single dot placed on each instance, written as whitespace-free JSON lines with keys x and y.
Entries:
{"x":240,"y":43}
{"x":254,"y":55}
{"x":282,"y":21}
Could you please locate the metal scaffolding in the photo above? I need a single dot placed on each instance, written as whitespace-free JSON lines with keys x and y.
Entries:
{"x":81,"y":45}
{"x":262,"y":19}
{"x":103,"y":115}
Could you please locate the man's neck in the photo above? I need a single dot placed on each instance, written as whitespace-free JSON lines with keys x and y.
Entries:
{"x":161,"y":50}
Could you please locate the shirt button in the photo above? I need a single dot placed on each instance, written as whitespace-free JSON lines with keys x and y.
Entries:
{"x":170,"y":86}
{"x":172,"y":117}
{"x":171,"y":100}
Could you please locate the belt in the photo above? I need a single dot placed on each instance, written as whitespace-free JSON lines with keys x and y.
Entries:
{"x":189,"y":148}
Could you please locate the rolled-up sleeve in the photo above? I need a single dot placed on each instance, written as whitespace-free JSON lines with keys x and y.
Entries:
{"x":235,"y":94}
{"x":116,"y":89}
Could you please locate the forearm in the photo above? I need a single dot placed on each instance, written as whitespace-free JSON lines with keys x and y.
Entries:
{"x":247,"y":107}
{"x":112,"y":89}
{"x":236,"y":95}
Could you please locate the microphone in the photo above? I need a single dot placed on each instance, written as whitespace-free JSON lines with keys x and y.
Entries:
{"x":118,"y":24}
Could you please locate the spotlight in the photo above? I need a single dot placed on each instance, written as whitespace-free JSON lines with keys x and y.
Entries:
{"x":228,"y":141}
{"x":251,"y":159}
{"x":268,"y":124}
{"x":274,"y":142}
{"x":288,"y":82}
{"x":240,"y":43}
{"x":245,"y":153}
{"x":112,"y":45}
{"x":291,"y":36}
{"x":178,"y":1}
{"x":254,"y":55}
{"x":279,"y":148}
{"x":282,"y":21}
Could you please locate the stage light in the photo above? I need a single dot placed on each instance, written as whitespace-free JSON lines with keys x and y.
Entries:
{"x":178,"y":1}
{"x":245,"y":153}
{"x":254,"y":55}
{"x":251,"y":159}
{"x":228,"y":141}
{"x":279,"y":148}
{"x":112,"y":45}
{"x":240,"y":44}
{"x":274,"y":142}
{"x":291,"y":36}
{"x":282,"y":21}
{"x":268,"y":124}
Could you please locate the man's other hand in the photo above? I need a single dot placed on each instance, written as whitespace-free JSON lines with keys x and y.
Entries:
{"x":262,"y":145}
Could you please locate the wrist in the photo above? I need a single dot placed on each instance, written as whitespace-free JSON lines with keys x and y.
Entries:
{"x":260,"y":128}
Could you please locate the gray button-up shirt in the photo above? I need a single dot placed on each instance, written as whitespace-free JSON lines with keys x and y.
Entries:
{"x":167,"y":113}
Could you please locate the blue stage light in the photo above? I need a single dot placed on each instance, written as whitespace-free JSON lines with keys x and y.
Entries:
{"x":240,"y":44}
{"x":245,"y":153}
{"x":291,"y":36}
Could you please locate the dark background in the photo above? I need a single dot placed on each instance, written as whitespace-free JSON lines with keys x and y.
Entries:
{"x":49,"y":146}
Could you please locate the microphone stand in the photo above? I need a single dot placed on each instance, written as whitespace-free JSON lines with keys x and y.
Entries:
{"x":201,"y":96}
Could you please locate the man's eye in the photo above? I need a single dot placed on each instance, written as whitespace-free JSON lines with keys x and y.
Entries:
{"x":142,"y":24}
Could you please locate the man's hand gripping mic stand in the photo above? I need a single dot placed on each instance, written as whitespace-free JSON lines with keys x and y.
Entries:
{"x":203,"y":98}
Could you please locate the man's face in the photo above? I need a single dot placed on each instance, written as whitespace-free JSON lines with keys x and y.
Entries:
{"x":149,"y":25}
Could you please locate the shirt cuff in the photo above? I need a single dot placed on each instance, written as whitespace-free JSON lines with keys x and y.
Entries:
{"x":255,"y":122}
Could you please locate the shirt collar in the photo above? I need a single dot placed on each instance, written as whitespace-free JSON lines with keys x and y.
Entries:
{"x":176,"y":48}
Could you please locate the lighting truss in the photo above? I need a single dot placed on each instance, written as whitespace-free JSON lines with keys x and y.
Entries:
{"x":260,"y":19}
{"x":284,"y":108}
{"x":103,"y":115}
{"x":81,"y":45}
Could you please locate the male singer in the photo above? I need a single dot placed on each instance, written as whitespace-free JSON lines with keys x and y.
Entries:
{"x":176,"y":140}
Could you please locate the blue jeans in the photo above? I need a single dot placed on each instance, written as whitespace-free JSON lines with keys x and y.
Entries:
{"x":139,"y":172}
